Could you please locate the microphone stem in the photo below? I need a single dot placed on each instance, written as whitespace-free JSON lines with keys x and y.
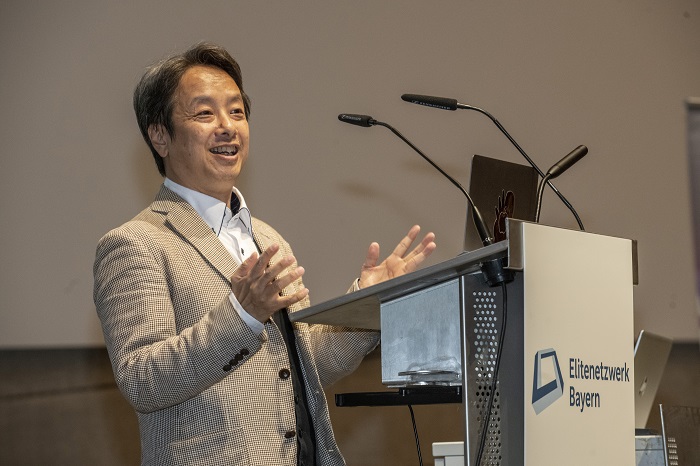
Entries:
{"x":484,"y":234}
{"x":427,"y":159}
{"x":529,"y":160}
{"x":540,"y":191}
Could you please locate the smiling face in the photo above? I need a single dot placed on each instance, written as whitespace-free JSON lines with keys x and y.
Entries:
{"x":209,"y":144}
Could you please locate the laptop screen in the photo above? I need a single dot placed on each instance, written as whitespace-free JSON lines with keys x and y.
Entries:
{"x":650,"y":357}
{"x":490,"y":182}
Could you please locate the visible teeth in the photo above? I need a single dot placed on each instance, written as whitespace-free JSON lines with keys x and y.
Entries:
{"x":226,"y":150}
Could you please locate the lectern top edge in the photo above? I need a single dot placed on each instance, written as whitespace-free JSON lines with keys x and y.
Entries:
{"x":358,"y":308}
{"x":361,"y":309}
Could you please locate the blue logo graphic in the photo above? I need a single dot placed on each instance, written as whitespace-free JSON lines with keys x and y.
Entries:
{"x":544,"y":394}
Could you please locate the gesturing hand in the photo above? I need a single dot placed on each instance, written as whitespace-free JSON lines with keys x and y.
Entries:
{"x":398,"y":263}
{"x":258,"y":285}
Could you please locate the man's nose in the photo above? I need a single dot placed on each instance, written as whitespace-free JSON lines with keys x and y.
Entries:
{"x":227,"y":124}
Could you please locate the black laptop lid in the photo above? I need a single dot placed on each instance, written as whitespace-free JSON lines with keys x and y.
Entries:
{"x":492,"y":179}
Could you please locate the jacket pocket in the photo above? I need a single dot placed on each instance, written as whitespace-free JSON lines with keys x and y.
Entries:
{"x":200,"y":416}
{"x":218,"y":448}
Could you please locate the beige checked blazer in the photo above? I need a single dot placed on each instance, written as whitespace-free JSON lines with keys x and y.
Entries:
{"x":206,"y":389}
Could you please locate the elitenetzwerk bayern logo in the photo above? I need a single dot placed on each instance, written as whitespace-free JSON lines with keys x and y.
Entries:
{"x":547,"y":382}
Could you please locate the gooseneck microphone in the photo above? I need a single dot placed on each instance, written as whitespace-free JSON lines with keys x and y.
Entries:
{"x":359,"y":120}
{"x":566,"y":162}
{"x":557,"y":169}
{"x":367,"y":121}
{"x":444,"y":103}
{"x":493,"y":270}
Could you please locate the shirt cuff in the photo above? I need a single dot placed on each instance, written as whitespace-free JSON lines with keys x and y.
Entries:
{"x":255,"y":325}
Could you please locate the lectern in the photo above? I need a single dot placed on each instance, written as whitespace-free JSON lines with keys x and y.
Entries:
{"x":564,"y":393}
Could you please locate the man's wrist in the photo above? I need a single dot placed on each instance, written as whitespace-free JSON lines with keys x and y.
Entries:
{"x":255,"y":325}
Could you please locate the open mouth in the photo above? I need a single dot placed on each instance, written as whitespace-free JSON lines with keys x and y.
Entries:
{"x":224,"y":150}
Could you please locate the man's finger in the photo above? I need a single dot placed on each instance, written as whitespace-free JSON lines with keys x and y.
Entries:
{"x":246,"y":266}
{"x":288,"y":300}
{"x":274,"y":270}
{"x":281,"y":283}
{"x":421,"y":252}
{"x":425,"y":247}
{"x":407,"y":240}
{"x":264,"y":260}
{"x":372,"y":256}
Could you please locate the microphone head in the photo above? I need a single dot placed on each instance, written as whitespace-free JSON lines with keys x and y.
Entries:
{"x":359,"y":120}
{"x":568,"y":160}
{"x":431,"y":101}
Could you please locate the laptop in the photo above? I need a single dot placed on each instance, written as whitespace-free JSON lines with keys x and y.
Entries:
{"x":490,"y":182}
{"x":650,"y":356}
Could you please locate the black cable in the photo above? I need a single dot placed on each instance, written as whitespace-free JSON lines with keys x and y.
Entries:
{"x":501,"y":339}
{"x":415,"y":434}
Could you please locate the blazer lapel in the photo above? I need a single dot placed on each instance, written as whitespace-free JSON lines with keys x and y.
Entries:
{"x":260,"y":237}
{"x":184,"y":220}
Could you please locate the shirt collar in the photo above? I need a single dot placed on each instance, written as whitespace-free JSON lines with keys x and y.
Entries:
{"x":214,"y":212}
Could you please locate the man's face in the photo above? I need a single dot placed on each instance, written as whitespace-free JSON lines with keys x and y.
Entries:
{"x":210,"y":137}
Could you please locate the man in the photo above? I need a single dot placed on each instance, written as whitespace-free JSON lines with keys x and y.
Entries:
{"x":194,"y":293}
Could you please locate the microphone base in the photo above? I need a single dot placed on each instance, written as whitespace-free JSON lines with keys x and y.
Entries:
{"x":495,"y":272}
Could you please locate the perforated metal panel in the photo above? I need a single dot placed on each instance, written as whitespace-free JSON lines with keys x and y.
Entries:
{"x":487,"y":323}
{"x":482,"y":326}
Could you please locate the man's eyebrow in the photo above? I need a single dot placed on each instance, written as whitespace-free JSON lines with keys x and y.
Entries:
{"x":234,"y":98}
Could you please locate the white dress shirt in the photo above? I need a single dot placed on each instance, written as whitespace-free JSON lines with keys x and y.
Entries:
{"x":234,"y":231}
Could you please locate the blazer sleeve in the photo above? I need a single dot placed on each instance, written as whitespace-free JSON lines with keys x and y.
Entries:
{"x":337,"y":351}
{"x":155,"y":364}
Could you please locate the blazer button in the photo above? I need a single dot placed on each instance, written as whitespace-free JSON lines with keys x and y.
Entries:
{"x":284,"y":374}
{"x":245,"y":352}
{"x":227,"y":367}
{"x":289,"y":434}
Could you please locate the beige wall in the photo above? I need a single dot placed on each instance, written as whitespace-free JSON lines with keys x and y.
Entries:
{"x":612,"y":75}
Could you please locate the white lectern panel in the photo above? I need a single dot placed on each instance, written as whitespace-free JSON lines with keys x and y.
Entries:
{"x":578,"y":352}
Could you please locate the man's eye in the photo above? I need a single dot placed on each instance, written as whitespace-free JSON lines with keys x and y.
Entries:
{"x":237,"y":113}
{"x":202,"y":112}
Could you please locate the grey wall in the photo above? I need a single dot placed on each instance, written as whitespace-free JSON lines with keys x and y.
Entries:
{"x":613,"y":75}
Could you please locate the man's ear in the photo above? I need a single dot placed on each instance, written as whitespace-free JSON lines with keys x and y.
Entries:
{"x":160,"y":139}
